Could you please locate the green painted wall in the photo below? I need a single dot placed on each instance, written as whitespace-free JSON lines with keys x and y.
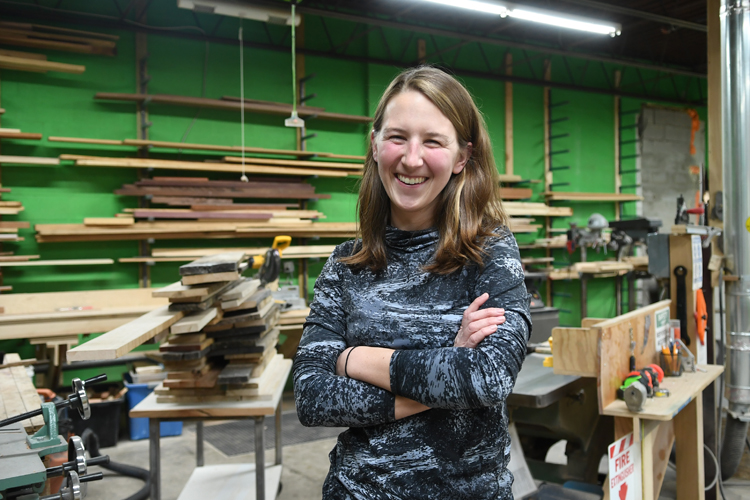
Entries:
{"x":61,"y":104}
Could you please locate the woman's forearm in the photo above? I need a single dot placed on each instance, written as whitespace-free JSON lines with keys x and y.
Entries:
{"x":367,"y":364}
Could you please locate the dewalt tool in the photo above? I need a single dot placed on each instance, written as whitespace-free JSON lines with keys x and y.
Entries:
{"x":269,"y":265}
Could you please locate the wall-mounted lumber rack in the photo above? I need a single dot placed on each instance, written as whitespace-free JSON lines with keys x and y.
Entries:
{"x":202,"y":102}
{"x":50,"y":37}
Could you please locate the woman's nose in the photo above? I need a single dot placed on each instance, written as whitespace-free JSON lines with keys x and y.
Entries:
{"x":413,"y":154}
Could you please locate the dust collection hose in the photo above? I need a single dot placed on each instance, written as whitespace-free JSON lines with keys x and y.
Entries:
{"x":735,"y":434}
{"x":91,"y":442}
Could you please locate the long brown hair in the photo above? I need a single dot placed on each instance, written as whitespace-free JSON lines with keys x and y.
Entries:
{"x":469,"y":207}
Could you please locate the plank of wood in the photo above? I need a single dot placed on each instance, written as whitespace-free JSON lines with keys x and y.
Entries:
{"x":7,"y":38}
{"x":177,"y":290}
{"x":81,"y":140}
{"x":515,"y":193}
{"x":510,"y":178}
{"x":295,"y":163}
{"x":35,"y":305}
{"x":186,"y":347}
{"x":26,"y":64}
{"x":187,"y":338}
{"x":198,"y":279}
{"x":62,"y":262}
{"x":228,"y":211}
{"x":575,"y":196}
{"x":201,"y":102}
{"x":20,"y":135}
{"x":146,"y":213}
{"x":20,"y":224}
{"x":26,"y":55}
{"x":193,"y":165}
{"x":207,"y":380}
{"x":213,"y":264}
{"x":17,"y":258}
{"x":287,"y":107}
{"x":252,"y":301}
{"x":239,"y":294}
{"x":574,"y":351}
{"x":194,"y":322}
{"x":20,"y":362}
{"x":108,"y":221}
{"x":56,"y":29}
{"x":535,"y":209}
{"x":28,"y":160}
{"x":250,"y":190}
{"x":124,"y":339}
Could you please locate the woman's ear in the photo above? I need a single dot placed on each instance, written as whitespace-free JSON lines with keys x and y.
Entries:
{"x":463,"y":157}
{"x":374,"y":144}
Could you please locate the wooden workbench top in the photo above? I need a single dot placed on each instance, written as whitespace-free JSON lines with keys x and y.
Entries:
{"x":149,"y":408}
{"x":683,"y":389}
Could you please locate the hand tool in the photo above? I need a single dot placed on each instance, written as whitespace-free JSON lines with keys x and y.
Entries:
{"x":701,"y":316}
{"x":640,"y":385}
{"x":680,"y":273}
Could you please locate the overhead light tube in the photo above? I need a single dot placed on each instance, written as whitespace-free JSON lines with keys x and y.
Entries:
{"x":550,"y":18}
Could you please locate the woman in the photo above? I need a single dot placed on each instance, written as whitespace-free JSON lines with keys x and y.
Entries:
{"x":418,"y":330}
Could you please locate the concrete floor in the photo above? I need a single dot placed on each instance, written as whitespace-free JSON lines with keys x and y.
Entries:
{"x":305,"y":468}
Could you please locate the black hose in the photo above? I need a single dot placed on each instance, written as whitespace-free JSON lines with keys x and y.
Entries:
{"x":91,"y":443}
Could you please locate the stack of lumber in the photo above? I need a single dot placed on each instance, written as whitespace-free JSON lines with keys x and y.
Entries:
{"x":52,"y":37}
{"x":9,"y":229}
{"x":17,"y":393}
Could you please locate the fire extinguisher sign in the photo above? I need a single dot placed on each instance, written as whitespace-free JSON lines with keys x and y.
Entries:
{"x":625,"y":469}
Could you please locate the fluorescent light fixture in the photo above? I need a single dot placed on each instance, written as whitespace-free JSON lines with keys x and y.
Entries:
{"x":536,"y":15}
{"x":243,"y":10}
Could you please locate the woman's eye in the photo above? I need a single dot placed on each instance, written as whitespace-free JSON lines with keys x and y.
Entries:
{"x":432,"y":142}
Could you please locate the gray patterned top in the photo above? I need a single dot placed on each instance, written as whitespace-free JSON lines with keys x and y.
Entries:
{"x":458,"y":449}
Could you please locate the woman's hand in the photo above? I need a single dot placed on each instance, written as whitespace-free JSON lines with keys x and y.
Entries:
{"x":478,"y":323}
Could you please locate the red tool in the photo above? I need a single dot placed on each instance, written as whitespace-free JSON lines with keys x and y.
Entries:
{"x":701,"y":316}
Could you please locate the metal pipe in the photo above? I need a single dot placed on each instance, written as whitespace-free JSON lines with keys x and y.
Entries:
{"x":735,"y":57}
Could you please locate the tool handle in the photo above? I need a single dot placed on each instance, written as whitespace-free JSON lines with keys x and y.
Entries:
{"x":94,"y":380}
{"x":96,"y":476}
{"x":18,"y":418}
{"x":100,"y":460}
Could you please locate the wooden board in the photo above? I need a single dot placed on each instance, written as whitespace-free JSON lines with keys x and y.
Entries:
{"x":64,"y":262}
{"x":186,"y":347}
{"x":124,"y":339}
{"x":108,"y":221}
{"x":535,"y":209}
{"x":296,"y":163}
{"x":20,"y":135}
{"x":571,"y":196}
{"x":28,"y":160}
{"x":198,"y":279}
{"x":239,"y":294}
{"x":20,"y":306}
{"x":574,"y":351}
{"x":178,"y":290}
{"x":204,"y":381}
{"x":211,"y":264}
{"x":202,"y":102}
{"x":613,"y":348}
{"x":515,"y":193}
{"x":194,"y":322}
{"x":26,"y":64}
{"x":683,"y":389}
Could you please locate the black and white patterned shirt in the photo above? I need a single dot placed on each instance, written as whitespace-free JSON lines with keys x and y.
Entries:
{"x":458,"y":449}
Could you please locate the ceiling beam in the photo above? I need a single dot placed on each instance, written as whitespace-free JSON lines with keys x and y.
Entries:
{"x":608,"y":7}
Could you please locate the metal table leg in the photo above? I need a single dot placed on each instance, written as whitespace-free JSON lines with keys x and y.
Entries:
{"x":278,"y":435}
{"x":154,"y":458}
{"x":584,"y":305}
{"x":260,"y":460}
{"x":199,"y":443}
{"x":618,"y":295}
{"x":631,"y":291}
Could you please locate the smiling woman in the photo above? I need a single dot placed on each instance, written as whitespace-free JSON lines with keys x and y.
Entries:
{"x":418,"y":329}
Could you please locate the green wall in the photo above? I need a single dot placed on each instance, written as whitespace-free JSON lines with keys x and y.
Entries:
{"x":63,"y":105}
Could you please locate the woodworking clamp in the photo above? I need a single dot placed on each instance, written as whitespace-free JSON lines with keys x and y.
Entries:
{"x":22,"y":471}
{"x":269,"y":265}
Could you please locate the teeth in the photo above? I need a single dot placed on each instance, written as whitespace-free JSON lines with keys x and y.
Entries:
{"x":411,"y":180}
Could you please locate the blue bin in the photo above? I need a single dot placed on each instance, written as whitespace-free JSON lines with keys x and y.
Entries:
{"x":139,"y":426}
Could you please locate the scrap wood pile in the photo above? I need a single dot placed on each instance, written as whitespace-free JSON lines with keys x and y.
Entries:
{"x":225,"y":345}
{"x":9,"y":229}
{"x":216,"y":209}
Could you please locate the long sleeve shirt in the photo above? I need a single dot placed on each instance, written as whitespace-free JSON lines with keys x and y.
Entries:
{"x":458,"y":449}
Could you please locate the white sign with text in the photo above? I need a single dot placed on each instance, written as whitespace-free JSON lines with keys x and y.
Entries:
{"x":625,"y":469}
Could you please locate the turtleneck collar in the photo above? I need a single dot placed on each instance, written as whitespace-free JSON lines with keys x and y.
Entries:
{"x":410,"y":241}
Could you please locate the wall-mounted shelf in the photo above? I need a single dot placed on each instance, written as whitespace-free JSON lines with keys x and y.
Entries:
{"x":571,"y":196}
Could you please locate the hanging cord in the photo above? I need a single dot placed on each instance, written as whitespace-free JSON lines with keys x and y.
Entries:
{"x":243,"y":178}
{"x":294,"y":63}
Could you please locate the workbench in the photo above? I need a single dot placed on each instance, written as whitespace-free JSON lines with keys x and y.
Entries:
{"x":232,"y":481}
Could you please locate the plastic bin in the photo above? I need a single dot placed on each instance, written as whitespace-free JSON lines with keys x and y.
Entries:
{"x":139,"y":426}
{"x":104,"y":421}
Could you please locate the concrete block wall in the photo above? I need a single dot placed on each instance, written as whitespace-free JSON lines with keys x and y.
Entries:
{"x":665,"y":162}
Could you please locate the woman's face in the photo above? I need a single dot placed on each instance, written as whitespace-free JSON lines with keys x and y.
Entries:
{"x":417,"y":151}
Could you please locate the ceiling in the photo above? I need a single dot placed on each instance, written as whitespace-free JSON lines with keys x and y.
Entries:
{"x":668,"y":33}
